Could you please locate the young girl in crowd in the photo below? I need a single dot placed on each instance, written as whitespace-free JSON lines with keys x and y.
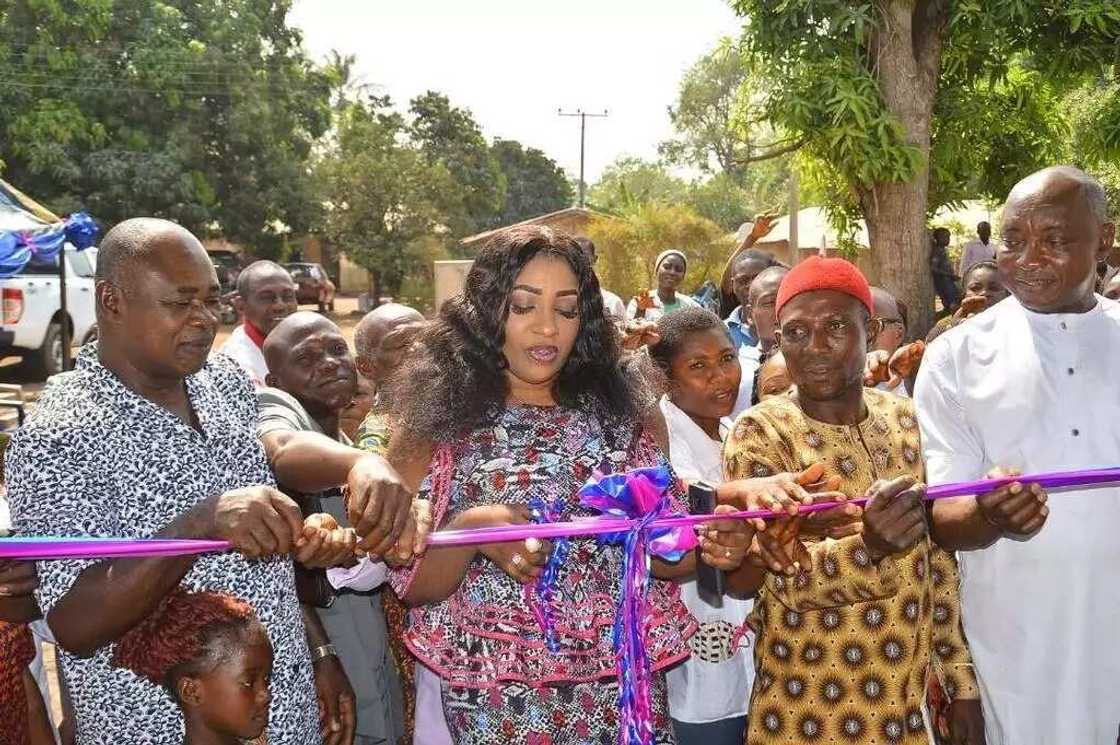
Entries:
{"x":213,"y":656}
{"x":668,"y":272}
{"x":709,"y":692}
{"x":513,"y":399}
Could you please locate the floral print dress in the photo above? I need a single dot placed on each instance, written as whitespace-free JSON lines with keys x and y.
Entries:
{"x":500,"y":681}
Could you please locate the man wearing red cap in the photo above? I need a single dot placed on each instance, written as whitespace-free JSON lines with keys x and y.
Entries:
{"x":848,"y":646}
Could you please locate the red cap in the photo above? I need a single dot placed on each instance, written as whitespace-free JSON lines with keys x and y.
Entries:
{"x":820,"y":273}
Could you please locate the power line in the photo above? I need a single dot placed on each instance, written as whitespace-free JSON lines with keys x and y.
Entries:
{"x":582,"y":141}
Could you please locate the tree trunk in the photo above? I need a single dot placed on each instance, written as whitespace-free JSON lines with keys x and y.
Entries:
{"x":906,"y":51}
{"x":374,"y":288}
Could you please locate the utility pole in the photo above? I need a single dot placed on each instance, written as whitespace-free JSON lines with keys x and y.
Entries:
{"x":582,"y":142}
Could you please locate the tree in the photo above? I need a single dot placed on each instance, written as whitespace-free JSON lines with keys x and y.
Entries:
{"x":200,"y":112}
{"x":721,"y":128}
{"x":861,"y":85}
{"x":450,"y":137}
{"x":730,"y":203}
{"x":535,"y":184}
{"x":629,"y":181}
{"x":1094,"y":131}
{"x":384,"y":199}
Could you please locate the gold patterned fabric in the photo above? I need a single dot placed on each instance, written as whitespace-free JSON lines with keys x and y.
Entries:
{"x":845,"y":652}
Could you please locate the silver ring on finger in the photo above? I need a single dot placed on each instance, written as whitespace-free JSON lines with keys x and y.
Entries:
{"x":517,"y":560}
{"x":727,"y":553}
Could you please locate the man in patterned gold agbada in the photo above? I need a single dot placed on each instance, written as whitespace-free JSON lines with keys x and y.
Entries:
{"x":849,"y":647}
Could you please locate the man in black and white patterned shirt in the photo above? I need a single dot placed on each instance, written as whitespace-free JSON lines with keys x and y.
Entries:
{"x":146,"y":437}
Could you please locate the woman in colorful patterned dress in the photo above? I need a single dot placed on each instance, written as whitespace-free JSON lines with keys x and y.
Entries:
{"x":515,"y":398}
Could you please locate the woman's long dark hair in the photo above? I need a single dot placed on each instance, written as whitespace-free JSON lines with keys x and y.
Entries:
{"x":454,"y":380}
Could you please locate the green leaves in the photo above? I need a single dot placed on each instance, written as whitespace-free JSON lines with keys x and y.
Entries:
{"x":117,"y":106}
{"x":401,"y":192}
{"x":450,"y":136}
{"x":535,"y":184}
{"x":997,"y":112}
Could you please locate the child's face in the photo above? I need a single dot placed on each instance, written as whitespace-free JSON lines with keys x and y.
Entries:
{"x":233,"y":699}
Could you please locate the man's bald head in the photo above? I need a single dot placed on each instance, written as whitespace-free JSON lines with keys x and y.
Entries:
{"x":157,"y":299}
{"x":379,"y":323}
{"x":1056,"y":182}
{"x":257,"y":272}
{"x":290,"y":331}
{"x":889,"y":313}
{"x":768,"y":280}
{"x":754,"y":258}
{"x":773,"y":377}
{"x":133,"y":242}
{"x":383,"y":338}
{"x":886,"y":305}
{"x":309,"y":359}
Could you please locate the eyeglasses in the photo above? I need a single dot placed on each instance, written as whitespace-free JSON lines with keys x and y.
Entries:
{"x":889,"y":321}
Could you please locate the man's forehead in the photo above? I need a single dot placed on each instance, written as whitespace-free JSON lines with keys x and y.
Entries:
{"x":749,"y":265}
{"x":1049,"y":192}
{"x":314,"y":335}
{"x":885,"y":303}
{"x":400,"y":326}
{"x":307,"y":338}
{"x":271,"y":280}
{"x":1039,"y":213}
{"x":174,"y":264}
{"x":767,"y":282}
{"x":814,"y":303}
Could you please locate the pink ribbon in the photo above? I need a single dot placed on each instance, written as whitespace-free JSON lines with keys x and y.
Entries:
{"x":35,"y":548}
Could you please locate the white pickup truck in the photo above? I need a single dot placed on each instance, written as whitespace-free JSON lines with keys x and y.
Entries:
{"x":31,"y":323}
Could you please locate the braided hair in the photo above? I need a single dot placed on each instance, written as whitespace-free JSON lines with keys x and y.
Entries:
{"x":189,"y":634}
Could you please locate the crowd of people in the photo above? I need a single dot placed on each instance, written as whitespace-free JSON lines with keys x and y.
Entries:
{"x":971,"y":620}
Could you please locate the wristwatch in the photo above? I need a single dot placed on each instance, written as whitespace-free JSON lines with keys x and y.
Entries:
{"x":323,"y":652}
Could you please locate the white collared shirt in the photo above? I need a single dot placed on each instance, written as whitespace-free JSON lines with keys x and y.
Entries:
{"x":750,"y":359}
{"x":701,"y":691}
{"x":1036,"y":392}
{"x":248,"y":356}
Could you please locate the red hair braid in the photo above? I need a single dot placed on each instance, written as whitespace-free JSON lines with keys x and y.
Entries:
{"x":178,"y":632}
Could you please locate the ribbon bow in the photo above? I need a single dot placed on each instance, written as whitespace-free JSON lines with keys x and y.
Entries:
{"x":640,"y":495}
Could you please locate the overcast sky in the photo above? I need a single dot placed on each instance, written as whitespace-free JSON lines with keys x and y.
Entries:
{"x":513,"y":63}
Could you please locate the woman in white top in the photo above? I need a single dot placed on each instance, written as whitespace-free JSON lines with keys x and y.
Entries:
{"x":668,"y":274}
{"x":709,"y":692}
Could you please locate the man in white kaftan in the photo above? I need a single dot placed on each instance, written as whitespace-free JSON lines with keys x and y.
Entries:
{"x":1031,"y":385}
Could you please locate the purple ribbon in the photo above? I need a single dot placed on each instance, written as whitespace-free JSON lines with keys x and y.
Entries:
{"x":540,"y":595}
{"x":46,"y":548}
{"x":600,"y":525}
{"x":641,"y":497}
{"x":42,"y":549}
